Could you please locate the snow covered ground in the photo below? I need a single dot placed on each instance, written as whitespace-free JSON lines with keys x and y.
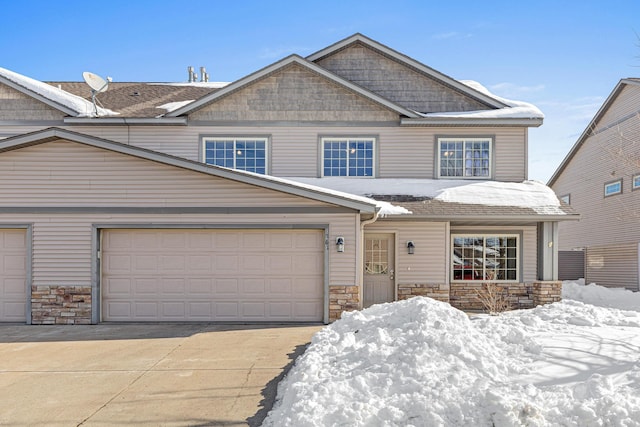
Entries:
{"x":423,"y":363}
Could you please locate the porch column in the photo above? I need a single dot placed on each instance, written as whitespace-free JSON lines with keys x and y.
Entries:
{"x":548,"y":251}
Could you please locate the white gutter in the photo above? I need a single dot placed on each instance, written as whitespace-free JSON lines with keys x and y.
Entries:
{"x":125,"y":121}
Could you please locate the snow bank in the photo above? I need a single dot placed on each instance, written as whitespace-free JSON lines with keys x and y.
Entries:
{"x":421,"y":362}
{"x":601,"y":296}
{"x":80,"y":105}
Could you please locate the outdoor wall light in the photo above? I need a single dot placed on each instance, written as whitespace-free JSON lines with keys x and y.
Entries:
{"x":410,"y":247}
{"x":340,"y":244}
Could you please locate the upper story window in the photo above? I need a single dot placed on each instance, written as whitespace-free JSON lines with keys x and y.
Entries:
{"x":464,"y":158}
{"x":485,"y":257}
{"x":566,"y":198}
{"x":635,"y":182}
{"x":612,"y":188}
{"x":348,"y":157}
{"x":247,"y":154}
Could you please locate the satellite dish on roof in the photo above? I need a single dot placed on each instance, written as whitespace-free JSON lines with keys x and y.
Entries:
{"x":95,"y":82}
{"x":97,"y":85}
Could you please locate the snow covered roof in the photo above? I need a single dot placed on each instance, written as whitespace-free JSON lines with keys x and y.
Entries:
{"x":53,"y":96}
{"x":450,"y":198}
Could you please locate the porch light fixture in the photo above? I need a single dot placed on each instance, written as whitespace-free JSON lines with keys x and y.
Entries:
{"x":340,"y":244}
{"x":410,"y":247}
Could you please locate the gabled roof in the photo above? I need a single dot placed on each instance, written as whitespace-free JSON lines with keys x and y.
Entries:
{"x":52,"y":96}
{"x":410,"y":62}
{"x":275,"y":67}
{"x":359,"y":203}
{"x":593,"y":125}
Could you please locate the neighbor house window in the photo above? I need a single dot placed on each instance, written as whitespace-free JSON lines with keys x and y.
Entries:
{"x":566,"y":198}
{"x":635,"y":182}
{"x":464,"y":158}
{"x":611,"y":188}
{"x":485,"y":257}
{"x":247,"y":154}
{"x":348,"y":157}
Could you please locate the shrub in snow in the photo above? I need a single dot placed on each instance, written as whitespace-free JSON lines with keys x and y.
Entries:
{"x":494,"y":298}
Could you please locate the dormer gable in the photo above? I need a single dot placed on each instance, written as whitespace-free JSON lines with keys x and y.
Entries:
{"x":399,"y":78}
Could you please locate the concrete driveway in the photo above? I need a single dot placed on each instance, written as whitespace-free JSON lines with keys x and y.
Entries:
{"x":139,"y":374}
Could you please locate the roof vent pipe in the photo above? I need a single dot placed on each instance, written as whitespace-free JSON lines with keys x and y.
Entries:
{"x":204,"y":76}
{"x":193,"y":77}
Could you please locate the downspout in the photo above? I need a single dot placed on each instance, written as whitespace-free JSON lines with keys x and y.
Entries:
{"x":360,"y":271}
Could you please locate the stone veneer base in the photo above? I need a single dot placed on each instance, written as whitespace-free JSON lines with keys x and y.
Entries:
{"x":60,"y":305}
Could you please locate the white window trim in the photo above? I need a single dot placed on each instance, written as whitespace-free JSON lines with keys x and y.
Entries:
{"x":235,"y":139}
{"x":465,"y":140}
{"x":484,"y":236}
{"x":634,"y":185}
{"x":348,"y":139}
{"x":610,"y":184}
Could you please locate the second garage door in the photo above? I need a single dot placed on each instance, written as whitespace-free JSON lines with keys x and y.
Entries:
{"x":13,"y":275}
{"x":212,"y":275}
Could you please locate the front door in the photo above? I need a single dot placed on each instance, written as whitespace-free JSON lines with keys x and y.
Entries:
{"x":378,"y":269}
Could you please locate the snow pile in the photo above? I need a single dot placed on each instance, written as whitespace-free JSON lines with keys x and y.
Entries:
{"x":601,"y":296}
{"x":171,"y":106}
{"x":421,"y":362}
{"x":515,"y":109}
{"x":527,"y":194}
{"x":80,"y":105}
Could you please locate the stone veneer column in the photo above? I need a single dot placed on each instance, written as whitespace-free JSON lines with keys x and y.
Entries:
{"x":60,"y":305}
{"x":342,"y":298}
{"x":547,"y":292}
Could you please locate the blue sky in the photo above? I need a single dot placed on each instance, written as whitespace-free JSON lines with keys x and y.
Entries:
{"x":563,"y":56}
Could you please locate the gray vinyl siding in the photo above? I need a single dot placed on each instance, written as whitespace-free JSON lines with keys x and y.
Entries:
{"x":428,"y":264}
{"x":613,"y":266}
{"x":85,"y":179}
{"x":403,"y":152}
{"x":295,"y":94}
{"x":15,"y":105}
{"x":395,"y":81}
{"x":609,"y":154}
{"x":63,"y":173}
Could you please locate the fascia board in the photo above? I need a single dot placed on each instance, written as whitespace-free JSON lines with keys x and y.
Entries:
{"x":126,"y":121}
{"x":461,"y":121}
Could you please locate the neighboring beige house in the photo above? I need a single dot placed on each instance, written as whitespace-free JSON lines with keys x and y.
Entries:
{"x":600,"y":178}
{"x":316,"y":185}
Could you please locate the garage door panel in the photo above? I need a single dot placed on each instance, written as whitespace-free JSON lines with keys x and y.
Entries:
{"x":224,"y":275}
{"x":13,"y":275}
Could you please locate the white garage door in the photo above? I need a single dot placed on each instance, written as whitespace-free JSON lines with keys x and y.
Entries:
{"x":205,"y":275}
{"x":13,"y":275}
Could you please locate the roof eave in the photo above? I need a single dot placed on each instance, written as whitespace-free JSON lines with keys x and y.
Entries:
{"x":465,"y":121}
{"x":126,"y":120}
{"x":497,"y":219}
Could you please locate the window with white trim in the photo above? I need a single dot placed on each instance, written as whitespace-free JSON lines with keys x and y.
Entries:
{"x":353,"y":157}
{"x":612,"y":188}
{"x":635,"y":182}
{"x":247,"y":153}
{"x":485,"y":257}
{"x":464,"y":158}
{"x":566,"y":198}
